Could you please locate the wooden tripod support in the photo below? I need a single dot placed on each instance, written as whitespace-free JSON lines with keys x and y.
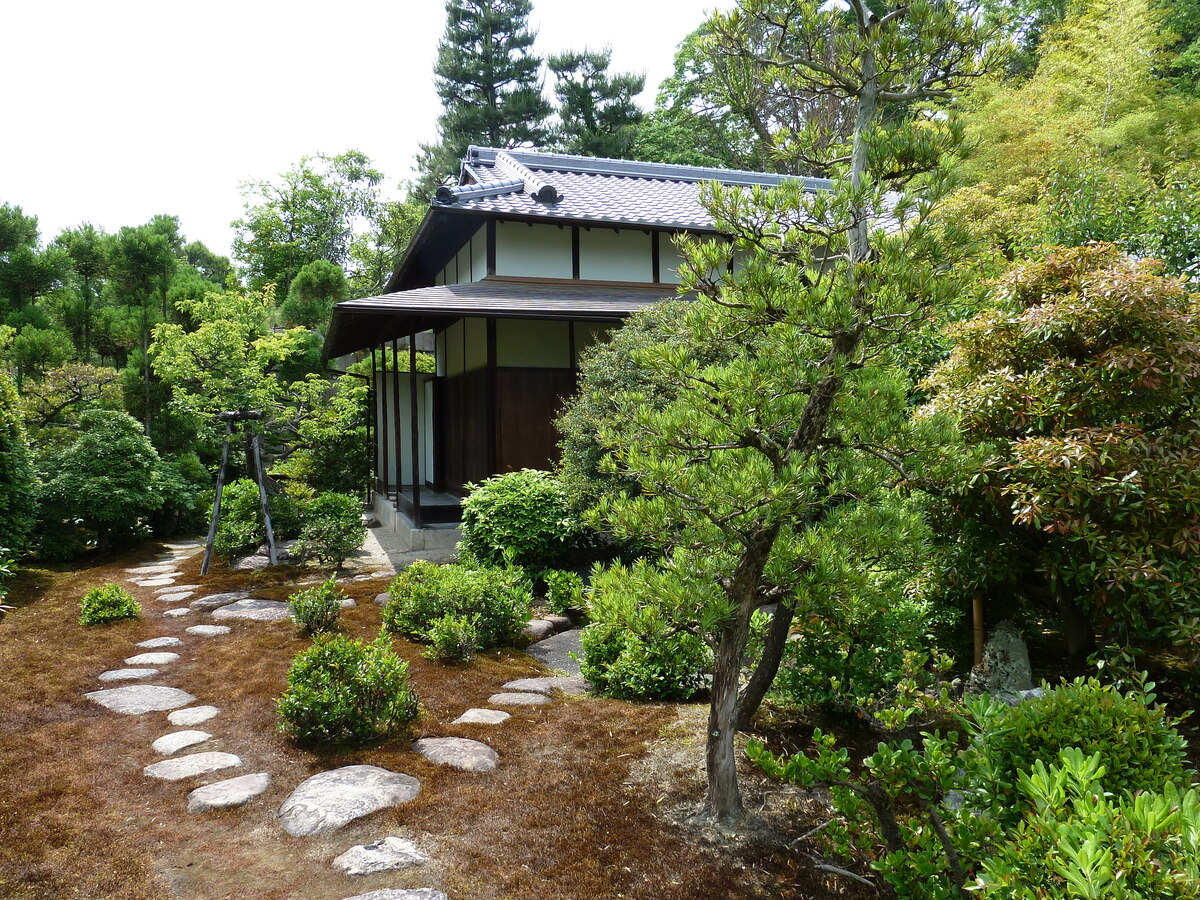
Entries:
{"x":229,"y":418}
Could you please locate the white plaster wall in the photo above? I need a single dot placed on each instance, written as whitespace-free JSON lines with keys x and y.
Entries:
{"x":533,"y":343}
{"x":669,"y":259}
{"x":608,"y":255}
{"x":537,"y":251}
{"x":479,"y":253}
{"x":397,"y":463}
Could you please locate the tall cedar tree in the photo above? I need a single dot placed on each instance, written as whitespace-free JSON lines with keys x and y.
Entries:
{"x":597,"y":113}
{"x":488,"y":81}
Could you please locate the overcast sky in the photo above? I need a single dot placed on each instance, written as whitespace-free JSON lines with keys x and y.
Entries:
{"x":116,"y":111}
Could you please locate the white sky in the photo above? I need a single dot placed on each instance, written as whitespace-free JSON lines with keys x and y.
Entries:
{"x":116,"y":111}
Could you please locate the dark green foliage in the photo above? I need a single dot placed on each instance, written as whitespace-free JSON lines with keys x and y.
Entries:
{"x":331,"y":528}
{"x":110,"y":603}
{"x":564,"y":591}
{"x":453,"y":638}
{"x":597,"y":113}
{"x":345,"y":691}
{"x":37,"y":350}
{"x":331,"y":451}
{"x":496,"y":600}
{"x":316,"y":609}
{"x":524,"y":517}
{"x":17,"y":485}
{"x":311,"y":297}
{"x":630,"y":667}
{"x":242,"y":530}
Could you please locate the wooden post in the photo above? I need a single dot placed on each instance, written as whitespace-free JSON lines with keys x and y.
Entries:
{"x":216,"y":514}
{"x":262,"y":500}
{"x":977,"y":616}
{"x":397,"y":428}
{"x":414,"y":430}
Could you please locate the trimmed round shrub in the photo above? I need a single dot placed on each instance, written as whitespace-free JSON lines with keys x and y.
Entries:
{"x":346,"y":691}
{"x":452,"y":639}
{"x":524,"y":518}
{"x":564,"y":591}
{"x":331,"y":528}
{"x":497,"y":601}
{"x":316,"y":609}
{"x":110,"y":603}
{"x":621,"y":664}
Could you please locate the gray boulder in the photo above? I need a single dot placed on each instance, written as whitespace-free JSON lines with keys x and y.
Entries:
{"x":459,"y":753}
{"x":380,"y":856}
{"x":1004,"y":671}
{"x":327,"y":801}
{"x":568,"y":684}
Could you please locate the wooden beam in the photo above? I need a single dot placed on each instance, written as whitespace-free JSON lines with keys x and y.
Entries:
{"x":493,"y":439}
{"x":654,"y":272}
{"x":414,"y":428}
{"x":397,"y":427}
{"x":491,"y":247}
{"x":575,"y":252}
{"x":381,"y":399}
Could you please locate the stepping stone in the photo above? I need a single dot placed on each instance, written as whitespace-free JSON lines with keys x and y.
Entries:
{"x":136,"y":699}
{"x":255,"y":610}
{"x":568,"y":684}
{"x":177,"y":612}
{"x":460,"y":753}
{"x":127,"y":674}
{"x":518,"y":699}
{"x":560,"y":623}
{"x":174,"y":596}
{"x":156,"y":569}
{"x":179,"y":740}
{"x":383,"y":598}
{"x":178,"y":587}
{"x":190,"y":766}
{"x":155,"y":582}
{"x":213,"y":601}
{"x":556,"y":652}
{"x":380,"y":856}
{"x":182,"y":545}
{"x":395,"y":894}
{"x":327,"y":801}
{"x":348,"y":603}
{"x":228,"y":793}
{"x":482,"y":717}
{"x":208,"y":630}
{"x":155,"y":643}
{"x":192,"y":716}
{"x":538,"y":629}
{"x":152,"y":659}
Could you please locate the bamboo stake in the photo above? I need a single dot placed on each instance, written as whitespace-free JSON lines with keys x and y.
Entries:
{"x":216,"y":513}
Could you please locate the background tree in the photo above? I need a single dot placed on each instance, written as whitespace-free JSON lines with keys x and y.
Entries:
{"x":375,"y":252}
{"x":17,"y":484}
{"x":314,"y":291}
{"x":597,"y":113}
{"x":88,"y":249}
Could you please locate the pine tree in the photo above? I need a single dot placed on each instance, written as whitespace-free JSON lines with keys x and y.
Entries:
{"x":597,"y":113}
{"x":488,"y":80}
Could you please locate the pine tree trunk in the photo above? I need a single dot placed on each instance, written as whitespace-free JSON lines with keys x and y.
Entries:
{"x":760,"y":682}
{"x":724,"y":795}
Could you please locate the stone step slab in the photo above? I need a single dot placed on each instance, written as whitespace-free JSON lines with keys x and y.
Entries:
{"x":518,"y":699}
{"x":384,"y":855}
{"x":568,"y":684}
{"x":482,"y":717}
{"x":208,"y":630}
{"x":177,"y":612}
{"x":174,"y":596}
{"x":459,"y":753}
{"x":178,"y":587}
{"x":172,"y":743}
{"x":193,"y":715}
{"x":327,"y":801}
{"x":136,"y":699}
{"x":152,"y":659}
{"x":254,"y":610}
{"x":126,"y":674}
{"x":153,"y":569}
{"x":155,"y":582}
{"x":227,"y":794}
{"x":213,"y":601}
{"x":155,"y":643}
{"x":192,"y":765}
{"x":396,"y":894}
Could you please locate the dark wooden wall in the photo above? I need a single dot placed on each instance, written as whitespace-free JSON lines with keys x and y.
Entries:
{"x":527,"y":403}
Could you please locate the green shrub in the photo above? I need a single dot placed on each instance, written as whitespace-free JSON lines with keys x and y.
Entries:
{"x":564,"y":591}
{"x":110,"y":603}
{"x":316,"y":609}
{"x":621,"y":664}
{"x":497,"y":601}
{"x":17,"y":491}
{"x":452,"y":639}
{"x":343,"y":690}
{"x":331,"y":528}
{"x":241,"y":529}
{"x":522,"y":517}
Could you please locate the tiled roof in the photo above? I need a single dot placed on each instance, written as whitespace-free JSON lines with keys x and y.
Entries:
{"x":556,"y":186}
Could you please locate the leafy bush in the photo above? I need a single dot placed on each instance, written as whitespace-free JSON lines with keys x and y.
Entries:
{"x":496,"y":600}
{"x":564,"y":591}
{"x":17,"y":491}
{"x":316,"y":609}
{"x":110,"y":603}
{"x":331,"y":528}
{"x":452,"y":639}
{"x":343,"y":690}
{"x":241,"y":529}
{"x":524,"y":517}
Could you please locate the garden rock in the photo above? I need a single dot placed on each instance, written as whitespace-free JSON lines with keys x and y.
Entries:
{"x":155,"y":643}
{"x":127,"y":674}
{"x":537,"y":629}
{"x":136,"y":699}
{"x":347,"y":603}
{"x":1004,"y":672}
{"x":152,"y":659}
{"x":190,"y":766}
{"x":482,"y":717}
{"x":178,"y":587}
{"x":157,"y":582}
{"x":179,"y":740}
{"x":255,"y":610}
{"x":380,"y":856}
{"x":193,"y":716}
{"x":177,"y":612}
{"x":560,"y":623}
{"x":327,"y":801}
{"x":568,"y":684}
{"x":383,"y":598}
{"x":518,"y":699}
{"x":460,"y":753}
{"x":228,"y":793}
{"x":213,"y":601}
{"x":156,"y":569}
{"x":208,"y":630}
{"x":174,"y":596}
{"x":396,"y":894}
{"x":555,"y":652}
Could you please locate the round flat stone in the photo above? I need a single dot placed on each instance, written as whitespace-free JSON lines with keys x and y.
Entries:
{"x":208,"y":630}
{"x":228,"y":793}
{"x":136,"y":699}
{"x":518,"y":699}
{"x":174,"y":596}
{"x":156,"y":582}
{"x":182,"y":545}
{"x":179,"y":740}
{"x":482,"y":717}
{"x":192,"y":765}
{"x":192,"y":716}
{"x":155,"y":569}
{"x":255,"y":610}
{"x":212,"y":601}
{"x":380,"y":856}
{"x":127,"y":674}
{"x":152,"y":659}
{"x":327,"y":801}
{"x":568,"y":684}
{"x":155,"y":643}
{"x":178,"y":587}
{"x":460,"y":753}
{"x":396,"y":894}
{"x":177,"y":612}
